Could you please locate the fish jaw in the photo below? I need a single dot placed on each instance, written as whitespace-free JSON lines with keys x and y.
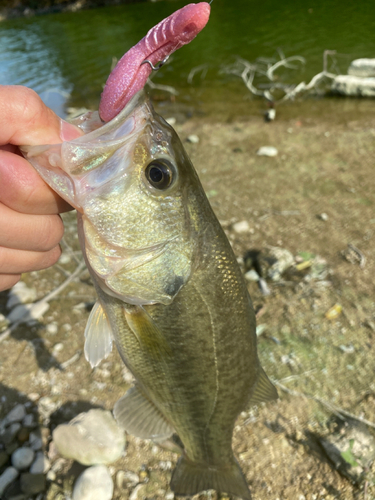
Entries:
{"x":135,"y":238}
{"x":130,"y":75}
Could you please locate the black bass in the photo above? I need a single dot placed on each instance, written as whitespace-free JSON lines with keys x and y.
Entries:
{"x":170,"y":292}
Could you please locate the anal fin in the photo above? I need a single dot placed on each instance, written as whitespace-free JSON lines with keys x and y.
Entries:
{"x":98,"y":334}
{"x":140,"y":417}
{"x":264,"y":389}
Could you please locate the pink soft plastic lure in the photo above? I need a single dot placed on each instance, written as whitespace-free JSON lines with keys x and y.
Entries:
{"x":130,"y":75}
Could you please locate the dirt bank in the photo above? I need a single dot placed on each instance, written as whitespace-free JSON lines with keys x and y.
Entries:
{"x":324,"y":165}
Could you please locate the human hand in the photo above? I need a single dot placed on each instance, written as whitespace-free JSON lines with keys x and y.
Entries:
{"x":30,"y":227}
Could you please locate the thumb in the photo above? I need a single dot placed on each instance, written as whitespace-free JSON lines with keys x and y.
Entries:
{"x":26,"y":120}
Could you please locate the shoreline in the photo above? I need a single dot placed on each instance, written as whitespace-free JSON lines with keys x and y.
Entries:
{"x":24,"y":10}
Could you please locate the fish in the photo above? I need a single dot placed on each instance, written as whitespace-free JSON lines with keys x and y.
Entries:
{"x":171,"y":295}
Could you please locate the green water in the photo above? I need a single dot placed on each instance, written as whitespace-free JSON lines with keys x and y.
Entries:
{"x":72,"y":52}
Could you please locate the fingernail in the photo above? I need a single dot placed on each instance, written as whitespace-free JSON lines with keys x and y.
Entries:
{"x":68,"y":131}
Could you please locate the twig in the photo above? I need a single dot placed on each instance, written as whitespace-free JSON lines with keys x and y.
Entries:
{"x":361,"y":256}
{"x":336,"y":410}
{"x":71,"y":360}
{"x":203,"y":68}
{"x":158,"y":86}
{"x":45,"y":300}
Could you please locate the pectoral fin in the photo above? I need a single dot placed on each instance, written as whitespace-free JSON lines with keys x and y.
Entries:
{"x":264,"y":389}
{"x":98,"y":334}
{"x":145,"y":329}
{"x":140,"y":417}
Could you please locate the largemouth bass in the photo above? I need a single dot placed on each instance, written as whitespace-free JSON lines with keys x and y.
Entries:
{"x":170,"y":292}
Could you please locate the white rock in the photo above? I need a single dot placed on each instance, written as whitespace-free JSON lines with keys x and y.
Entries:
{"x":171,"y":121}
{"x":16,"y":414}
{"x":241,"y":227}
{"x":20,"y":294}
{"x":252,"y":275}
{"x":22,"y":458}
{"x":193,"y":138}
{"x":90,"y":438}
{"x":323,"y":217}
{"x":353,"y":86}
{"x":52,"y":328}
{"x":95,"y":483}
{"x":7,"y":477}
{"x":64,"y":258}
{"x":41,"y":464}
{"x":362,"y":67}
{"x":267,"y":151}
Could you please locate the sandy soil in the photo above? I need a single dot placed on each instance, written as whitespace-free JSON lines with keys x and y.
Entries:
{"x":324,"y":165}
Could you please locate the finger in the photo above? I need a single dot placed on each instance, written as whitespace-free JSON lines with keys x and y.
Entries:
{"x":37,"y":233}
{"x":23,"y":190}
{"x":8,"y":280}
{"x":26,"y":120}
{"x":20,"y":261}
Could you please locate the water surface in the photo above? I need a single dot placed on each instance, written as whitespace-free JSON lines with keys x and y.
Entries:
{"x":73,"y":52}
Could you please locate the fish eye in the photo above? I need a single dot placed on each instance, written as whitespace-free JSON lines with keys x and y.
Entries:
{"x":160,"y":174}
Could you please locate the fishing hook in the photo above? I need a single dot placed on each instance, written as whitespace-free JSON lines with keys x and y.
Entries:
{"x":158,"y":66}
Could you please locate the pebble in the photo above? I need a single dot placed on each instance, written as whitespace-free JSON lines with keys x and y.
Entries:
{"x":17,"y":414}
{"x":33,"y":483}
{"x":58,"y":347}
{"x":172,"y":121}
{"x":91,"y":438}
{"x":193,"y":139}
{"x":126,"y":477}
{"x":252,"y":275}
{"x":7,"y":435}
{"x":267,"y":151}
{"x":241,"y":227}
{"x":29,"y":421}
{"x":41,"y":464}
{"x":7,"y":477}
{"x":20,"y":294}
{"x":64,"y":258}
{"x":95,"y":483}
{"x":52,"y":328}
{"x":22,"y":458}
{"x":323,"y":217}
{"x":35,"y":440}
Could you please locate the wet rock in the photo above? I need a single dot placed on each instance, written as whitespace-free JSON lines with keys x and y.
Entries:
{"x":20,"y":294}
{"x":351,"y":448}
{"x":4,"y":457}
{"x":32,"y":484}
{"x":95,"y":483}
{"x":7,"y":477}
{"x":90,"y":438}
{"x":267,"y":151}
{"x":41,"y":464}
{"x":362,"y":67}
{"x":353,"y":86}
{"x":22,"y":458}
{"x":29,"y":421}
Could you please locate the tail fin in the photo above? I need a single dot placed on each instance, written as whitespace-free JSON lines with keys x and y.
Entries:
{"x":190,"y":478}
